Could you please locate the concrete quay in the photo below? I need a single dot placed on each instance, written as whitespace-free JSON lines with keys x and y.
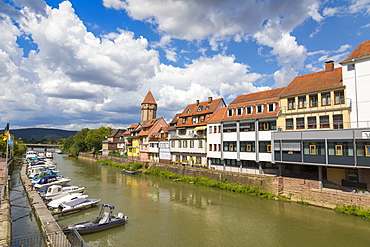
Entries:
{"x":42,"y":213}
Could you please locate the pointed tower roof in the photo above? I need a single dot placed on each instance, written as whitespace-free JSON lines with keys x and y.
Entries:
{"x":149,"y":99}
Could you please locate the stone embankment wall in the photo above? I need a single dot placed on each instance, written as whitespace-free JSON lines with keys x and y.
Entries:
{"x":305,"y":190}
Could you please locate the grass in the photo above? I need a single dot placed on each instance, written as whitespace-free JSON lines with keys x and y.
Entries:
{"x":353,"y":210}
{"x":132,"y":167}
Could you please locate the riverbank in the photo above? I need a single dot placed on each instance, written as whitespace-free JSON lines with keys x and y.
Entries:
{"x":5,"y":214}
{"x":297,"y":190}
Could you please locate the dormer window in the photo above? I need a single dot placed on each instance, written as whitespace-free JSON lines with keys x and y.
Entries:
{"x":195,"y":120}
{"x":184,"y":120}
{"x":207,"y":107}
{"x":239,"y":111}
{"x":189,"y":110}
{"x":230,"y":112}
{"x":249,"y":109}
{"x":271,"y":107}
{"x":200,"y":108}
{"x":259,"y":108}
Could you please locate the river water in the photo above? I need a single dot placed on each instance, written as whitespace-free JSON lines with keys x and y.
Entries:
{"x":166,"y":213}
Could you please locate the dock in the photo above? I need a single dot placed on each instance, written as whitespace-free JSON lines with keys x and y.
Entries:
{"x":5,"y":216}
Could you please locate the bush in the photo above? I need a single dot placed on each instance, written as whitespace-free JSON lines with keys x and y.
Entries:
{"x":347,"y":209}
{"x":132,"y":167}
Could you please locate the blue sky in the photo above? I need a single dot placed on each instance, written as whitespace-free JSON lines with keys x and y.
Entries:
{"x":89,"y":63}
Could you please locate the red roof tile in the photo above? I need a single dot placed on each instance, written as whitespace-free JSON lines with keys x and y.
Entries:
{"x":314,"y":82}
{"x":362,"y":51}
{"x":149,"y":99}
{"x":273,"y":93}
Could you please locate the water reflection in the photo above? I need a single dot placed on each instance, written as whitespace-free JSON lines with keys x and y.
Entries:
{"x":167,"y":213}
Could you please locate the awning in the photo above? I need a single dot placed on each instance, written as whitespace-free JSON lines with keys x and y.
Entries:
{"x":200,"y":128}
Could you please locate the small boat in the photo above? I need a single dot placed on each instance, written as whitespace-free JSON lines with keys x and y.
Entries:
{"x":130,"y":172}
{"x":68,"y":198}
{"x":74,"y":206}
{"x":57,"y":191}
{"x":104,"y":221}
{"x":103,"y":164}
{"x":51,"y":180}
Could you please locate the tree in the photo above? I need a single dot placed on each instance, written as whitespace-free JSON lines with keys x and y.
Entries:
{"x":95,"y":137}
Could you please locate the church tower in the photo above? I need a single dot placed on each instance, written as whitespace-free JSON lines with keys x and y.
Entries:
{"x":148,"y":108}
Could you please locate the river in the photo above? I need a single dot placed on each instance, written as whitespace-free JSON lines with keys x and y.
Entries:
{"x":166,"y":213}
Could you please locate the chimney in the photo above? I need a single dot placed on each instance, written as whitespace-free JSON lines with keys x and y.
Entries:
{"x":197,"y":102}
{"x":329,"y":66}
{"x":209,"y":100}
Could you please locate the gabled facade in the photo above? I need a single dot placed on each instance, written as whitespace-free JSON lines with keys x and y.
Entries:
{"x":149,"y":150}
{"x":356,"y":78}
{"x":111,"y":143}
{"x":239,"y":136}
{"x":188,"y":134}
{"x":315,"y":101}
{"x":132,"y":141}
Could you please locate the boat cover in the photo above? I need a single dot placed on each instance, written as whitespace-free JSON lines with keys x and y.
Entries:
{"x":76,"y":202}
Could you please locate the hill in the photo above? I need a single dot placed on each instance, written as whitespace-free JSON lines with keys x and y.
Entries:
{"x":42,"y":133}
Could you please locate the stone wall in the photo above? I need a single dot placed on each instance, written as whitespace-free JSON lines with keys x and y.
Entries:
{"x":297,"y":189}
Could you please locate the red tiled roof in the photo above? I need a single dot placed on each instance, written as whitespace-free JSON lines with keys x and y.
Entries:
{"x":149,"y":99}
{"x":314,"y":82}
{"x":132,"y":128}
{"x":273,"y":93}
{"x":206,"y":108}
{"x":218,"y":116}
{"x":361,"y":51}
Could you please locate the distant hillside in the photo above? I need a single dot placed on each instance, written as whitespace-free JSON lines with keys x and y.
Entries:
{"x":42,"y":133}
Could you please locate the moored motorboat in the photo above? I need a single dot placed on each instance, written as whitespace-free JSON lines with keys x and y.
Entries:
{"x":104,"y":221}
{"x":55,"y":191}
{"x":51,"y":180}
{"x":68,"y":198}
{"x":130,"y":172}
{"x":74,"y":206}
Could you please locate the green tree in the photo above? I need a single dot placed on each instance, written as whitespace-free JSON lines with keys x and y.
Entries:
{"x":79,"y":144}
{"x":95,"y":138}
{"x":67,"y":144}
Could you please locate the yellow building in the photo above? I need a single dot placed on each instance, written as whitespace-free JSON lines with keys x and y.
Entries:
{"x":315,"y":101}
{"x":132,"y":141}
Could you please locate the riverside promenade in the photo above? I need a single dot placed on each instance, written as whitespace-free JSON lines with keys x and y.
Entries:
{"x":5,"y":215}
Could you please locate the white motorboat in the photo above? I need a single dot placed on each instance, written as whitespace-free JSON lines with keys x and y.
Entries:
{"x":75,"y":206}
{"x":58,"y":191}
{"x":51,"y":180}
{"x":68,"y":198}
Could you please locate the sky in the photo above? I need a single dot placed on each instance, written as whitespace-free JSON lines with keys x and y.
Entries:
{"x":89,"y":63}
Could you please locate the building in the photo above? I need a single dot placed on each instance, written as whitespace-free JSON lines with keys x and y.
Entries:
{"x":132,"y":141}
{"x":149,"y":140}
{"x":187,"y":132}
{"x":111,"y":143}
{"x":148,"y":108}
{"x":239,"y":136}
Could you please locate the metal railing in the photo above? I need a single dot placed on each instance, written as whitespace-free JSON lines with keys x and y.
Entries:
{"x":70,"y":238}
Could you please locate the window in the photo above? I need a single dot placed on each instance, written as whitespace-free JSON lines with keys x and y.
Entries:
{"x":189,"y":110}
{"x":192,"y":144}
{"x":302,"y":102}
{"x":339,"y":97}
{"x":313,"y":149}
{"x":182,"y":131}
{"x":269,"y":148}
{"x":271,"y":107}
{"x":338,"y":150}
{"x":200,"y":108}
{"x":202,"y":118}
{"x":219,"y":129}
{"x":325,"y":99}
{"x":264,"y":147}
{"x":195,"y":120}
{"x":219,"y":147}
{"x":289,"y":123}
{"x":210,"y":130}
{"x":338,"y":121}
{"x":185,"y":144}
{"x":249,"y":109}
{"x":230,"y":146}
{"x":172,"y":144}
{"x":367,"y":150}
{"x":239,"y":111}
{"x":259,"y":108}
{"x":313,"y":100}
{"x":207,"y":107}
{"x":291,"y":103}
{"x":311,"y":122}
{"x":300,"y":123}
{"x":324,"y":122}
{"x":267,"y":125}
{"x":210,"y":147}
{"x":246,"y":127}
{"x":229,"y":112}
{"x":179,"y":142}
{"x":247,"y":147}
{"x":350,"y":67}
{"x":184,"y":120}
{"x":200,"y":144}
{"x":229,"y":128}
{"x":214,"y":147}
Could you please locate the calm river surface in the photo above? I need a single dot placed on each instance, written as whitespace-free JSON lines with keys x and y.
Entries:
{"x":166,"y":213}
